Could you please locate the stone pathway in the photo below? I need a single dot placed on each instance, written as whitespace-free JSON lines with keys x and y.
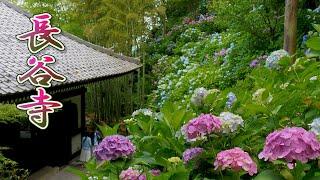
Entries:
{"x":57,"y":173}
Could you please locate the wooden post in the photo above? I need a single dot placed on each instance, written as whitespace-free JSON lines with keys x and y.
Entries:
{"x":290,"y":26}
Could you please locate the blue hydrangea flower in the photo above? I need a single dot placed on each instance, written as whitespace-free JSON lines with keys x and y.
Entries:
{"x":231,"y":99}
{"x":304,"y":39}
{"x":274,"y":58}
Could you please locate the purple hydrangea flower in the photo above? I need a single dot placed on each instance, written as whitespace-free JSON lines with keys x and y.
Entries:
{"x":235,"y":159}
{"x":202,"y":18}
{"x":114,"y":147}
{"x":291,"y":144}
{"x":221,"y":53}
{"x":254,"y":63}
{"x":155,"y":172}
{"x":201,"y":126}
{"x":191,"y":153}
{"x":259,"y":60}
{"x":132,"y":174}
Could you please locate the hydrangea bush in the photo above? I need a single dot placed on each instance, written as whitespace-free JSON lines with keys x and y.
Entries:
{"x":251,"y":94}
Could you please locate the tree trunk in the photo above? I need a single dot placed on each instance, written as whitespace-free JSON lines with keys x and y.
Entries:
{"x":290,"y":26}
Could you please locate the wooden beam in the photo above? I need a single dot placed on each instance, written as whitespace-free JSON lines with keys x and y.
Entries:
{"x":290,"y":27}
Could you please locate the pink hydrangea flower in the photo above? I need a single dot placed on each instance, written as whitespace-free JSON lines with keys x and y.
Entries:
{"x":114,"y":147}
{"x":235,"y":159}
{"x":132,"y":174}
{"x":291,"y":144}
{"x":191,"y":153}
{"x":201,"y":126}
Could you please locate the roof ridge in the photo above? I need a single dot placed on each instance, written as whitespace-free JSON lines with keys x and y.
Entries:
{"x":77,"y":39}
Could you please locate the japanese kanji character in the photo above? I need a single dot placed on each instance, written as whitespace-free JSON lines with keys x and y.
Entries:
{"x":42,"y":34}
{"x":46,"y":74}
{"x":39,"y":109}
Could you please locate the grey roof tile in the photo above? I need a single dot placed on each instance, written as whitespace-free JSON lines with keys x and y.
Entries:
{"x":80,"y":61}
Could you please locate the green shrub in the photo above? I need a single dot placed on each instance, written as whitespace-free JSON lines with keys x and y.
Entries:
{"x":262,"y":19}
{"x":9,"y":170}
{"x":9,"y":114}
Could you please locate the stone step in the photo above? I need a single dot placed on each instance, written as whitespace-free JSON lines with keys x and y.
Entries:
{"x":44,"y":173}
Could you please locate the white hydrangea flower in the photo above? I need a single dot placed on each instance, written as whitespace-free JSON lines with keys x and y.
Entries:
{"x":146,"y":112}
{"x":230,"y":122}
{"x":274,"y":58}
{"x":315,"y":126}
{"x":270,"y":98}
{"x":257,"y":96}
{"x":213,"y":91}
{"x":284,"y":86}
{"x":317,"y":10}
{"x":127,"y":121}
{"x":93,"y":178}
{"x":314,"y":78}
{"x":198,"y":96}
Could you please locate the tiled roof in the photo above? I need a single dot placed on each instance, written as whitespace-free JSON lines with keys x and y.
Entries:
{"x":79,"y":62}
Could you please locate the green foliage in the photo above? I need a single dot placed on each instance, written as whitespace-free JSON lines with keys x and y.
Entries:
{"x":268,"y":175}
{"x":262,"y":19}
{"x":313,"y":43}
{"x":178,"y":9}
{"x":57,"y":8}
{"x":118,"y":24}
{"x":9,"y":114}
{"x":9,"y":170}
{"x":175,"y":117}
{"x":107,"y":130}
